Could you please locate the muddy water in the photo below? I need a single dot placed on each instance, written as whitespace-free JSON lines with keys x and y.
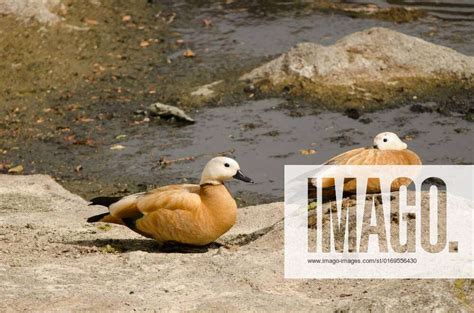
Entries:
{"x":263,"y":137}
{"x":262,"y":30}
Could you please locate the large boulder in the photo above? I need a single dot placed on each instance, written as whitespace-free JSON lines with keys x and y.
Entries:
{"x":52,"y":260}
{"x":377,"y":57}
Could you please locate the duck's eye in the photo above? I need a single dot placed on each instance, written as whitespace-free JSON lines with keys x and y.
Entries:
{"x":385,"y":140}
{"x":226,"y":165}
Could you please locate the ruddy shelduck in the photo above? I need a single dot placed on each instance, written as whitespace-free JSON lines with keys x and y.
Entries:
{"x":387,"y":149}
{"x":188,"y":214}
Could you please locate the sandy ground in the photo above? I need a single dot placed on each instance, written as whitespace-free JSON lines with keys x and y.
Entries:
{"x":52,"y":260}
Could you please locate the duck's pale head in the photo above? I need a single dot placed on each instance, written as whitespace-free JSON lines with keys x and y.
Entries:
{"x":220,"y":169}
{"x":389,"y":141}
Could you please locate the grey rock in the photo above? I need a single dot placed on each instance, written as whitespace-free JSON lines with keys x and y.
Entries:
{"x":206,"y":91}
{"x":169,"y":111}
{"x":373,"y":55}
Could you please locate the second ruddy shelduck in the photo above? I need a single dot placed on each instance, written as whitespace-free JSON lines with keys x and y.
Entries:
{"x":387,"y":149}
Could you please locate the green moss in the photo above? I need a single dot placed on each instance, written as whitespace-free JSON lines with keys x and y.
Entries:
{"x":469,"y":117}
{"x":109,"y":249}
{"x":463,"y":290}
{"x":393,"y":14}
{"x":398,"y":15}
{"x":459,"y":290}
{"x":367,"y":95}
{"x":104,"y":227}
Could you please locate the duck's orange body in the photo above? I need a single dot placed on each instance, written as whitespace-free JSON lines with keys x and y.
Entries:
{"x":367,"y":156}
{"x":188,"y":214}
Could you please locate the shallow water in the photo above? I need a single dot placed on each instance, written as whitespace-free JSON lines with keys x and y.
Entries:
{"x":263,"y":138}
{"x":249,"y":30}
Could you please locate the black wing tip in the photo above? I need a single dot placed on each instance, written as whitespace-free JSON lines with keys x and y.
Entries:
{"x":104,"y":201}
{"x":96,"y":218}
{"x":131,"y":222}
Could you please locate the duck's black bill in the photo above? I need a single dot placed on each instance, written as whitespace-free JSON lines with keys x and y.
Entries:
{"x":240,"y":176}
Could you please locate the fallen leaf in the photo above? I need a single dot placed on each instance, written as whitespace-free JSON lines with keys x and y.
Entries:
{"x":126,"y":18}
{"x":85,"y":119}
{"x":69,"y":138}
{"x":117,"y":147}
{"x":88,"y":142}
{"x":120,"y":136}
{"x":151,"y":90}
{"x":78,"y":168}
{"x":307,"y":151}
{"x":189,"y":53}
{"x":171,"y":19}
{"x":163,"y":162}
{"x":179,"y":41}
{"x":3,"y":168}
{"x":74,"y":107}
{"x":90,"y":22}
{"x":63,"y":129}
{"x":16,"y":170}
{"x":207,"y":22}
{"x":144,"y":44}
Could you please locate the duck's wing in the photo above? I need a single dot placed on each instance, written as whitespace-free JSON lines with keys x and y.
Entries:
{"x":169,"y":197}
{"x":158,"y":210}
{"x":359,"y":156}
{"x":175,"y":197}
{"x":173,"y":213}
{"x":370,"y":156}
{"x":396,"y":157}
{"x":346,"y":158}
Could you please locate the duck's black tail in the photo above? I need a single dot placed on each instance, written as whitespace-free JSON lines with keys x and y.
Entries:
{"x":97,"y":218}
{"x":104,"y":201}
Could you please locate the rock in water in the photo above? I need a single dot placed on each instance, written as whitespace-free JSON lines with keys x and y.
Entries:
{"x":206,"y":90}
{"x":169,"y":111}
{"x":377,"y":55}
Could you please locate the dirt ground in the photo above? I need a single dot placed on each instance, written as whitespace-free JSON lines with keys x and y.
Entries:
{"x":52,"y":260}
